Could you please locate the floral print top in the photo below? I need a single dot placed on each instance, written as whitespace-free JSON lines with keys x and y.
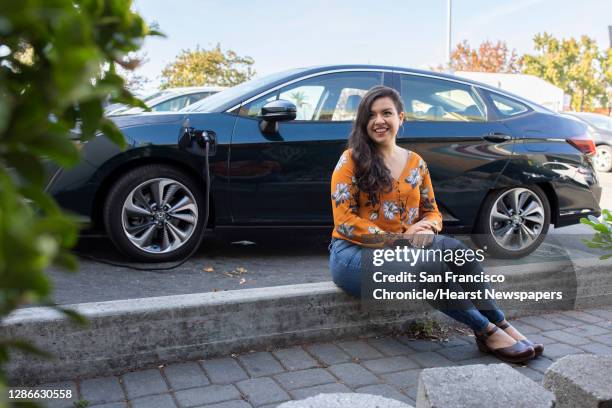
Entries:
{"x":357,"y":218}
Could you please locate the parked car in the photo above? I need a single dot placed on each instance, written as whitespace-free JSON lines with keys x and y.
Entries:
{"x":167,"y":100}
{"x":600,"y":127}
{"x":274,"y":142}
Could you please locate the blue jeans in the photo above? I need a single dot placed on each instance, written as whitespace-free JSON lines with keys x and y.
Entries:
{"x":345,"y":267}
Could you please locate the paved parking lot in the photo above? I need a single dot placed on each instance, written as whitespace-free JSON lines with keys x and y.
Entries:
{"x":387,"y":366}
{"x":219,"y":265}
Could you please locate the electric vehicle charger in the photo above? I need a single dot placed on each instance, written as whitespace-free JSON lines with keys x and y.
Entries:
{"x":187,"y":140}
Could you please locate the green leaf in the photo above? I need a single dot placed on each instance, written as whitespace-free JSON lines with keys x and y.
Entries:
{"x":593,"y":219}
{"x":27,"y":165}
{"x":603,"y":228}
{"x":58,"y":148}
{"x":42,"y":199}
{"x":585,"y":221}
{"x":91,"y":112}
{"x":111,"y":131}
{"x":66,"y":261}
{"x":76,"y":317}
{"x":5,"y":109}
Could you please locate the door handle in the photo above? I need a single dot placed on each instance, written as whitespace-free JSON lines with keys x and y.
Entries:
{"x":497,"y":137}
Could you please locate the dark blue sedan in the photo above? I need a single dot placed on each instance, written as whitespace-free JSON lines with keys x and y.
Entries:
{"x":503,"y":168}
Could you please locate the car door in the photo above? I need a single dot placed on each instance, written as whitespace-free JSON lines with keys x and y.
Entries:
{"x":284,"y":179}
{"x":447,"y":124}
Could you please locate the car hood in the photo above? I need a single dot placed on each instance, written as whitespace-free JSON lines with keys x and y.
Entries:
{"x":146,"y":118}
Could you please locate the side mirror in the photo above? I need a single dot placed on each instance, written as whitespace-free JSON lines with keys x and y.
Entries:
{"x":274,"y":112}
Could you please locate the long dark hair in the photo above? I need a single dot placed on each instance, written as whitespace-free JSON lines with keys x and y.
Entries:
{"x":371,"y":173}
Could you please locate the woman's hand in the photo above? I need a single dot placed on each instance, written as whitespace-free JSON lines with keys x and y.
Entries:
{"x":421,"y":225}
{"x":420,"y":234}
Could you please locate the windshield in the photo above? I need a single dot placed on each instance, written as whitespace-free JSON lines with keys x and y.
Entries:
{"x":219,"y":99}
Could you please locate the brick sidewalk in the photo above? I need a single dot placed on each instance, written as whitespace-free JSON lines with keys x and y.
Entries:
{"x":387,"y":366}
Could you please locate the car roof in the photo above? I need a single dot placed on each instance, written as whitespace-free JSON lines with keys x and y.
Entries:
{"x":220,"y":103}
{"x":194,"y":89}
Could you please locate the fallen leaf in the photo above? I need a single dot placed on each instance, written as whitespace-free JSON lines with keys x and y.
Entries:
{"x":241,"y":270}
{"x":209,"y":269}
{"x":242,"y":281}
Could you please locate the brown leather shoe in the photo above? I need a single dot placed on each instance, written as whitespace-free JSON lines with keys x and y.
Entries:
{"x":516,"y":353}
{"x":537,"y":347}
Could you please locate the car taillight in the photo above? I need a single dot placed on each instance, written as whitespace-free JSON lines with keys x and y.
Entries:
{"x":584,"y":143}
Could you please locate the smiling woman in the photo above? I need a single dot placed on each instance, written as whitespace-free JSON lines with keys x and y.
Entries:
{"x":382,"y":195}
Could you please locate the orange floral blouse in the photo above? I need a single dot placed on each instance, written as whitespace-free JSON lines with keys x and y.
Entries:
{"x":358,"y":219}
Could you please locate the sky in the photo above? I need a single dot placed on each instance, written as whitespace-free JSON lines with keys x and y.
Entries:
{"x":406,"y":33}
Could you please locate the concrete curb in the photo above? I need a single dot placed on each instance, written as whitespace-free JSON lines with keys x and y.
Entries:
{"x":132,"y":334}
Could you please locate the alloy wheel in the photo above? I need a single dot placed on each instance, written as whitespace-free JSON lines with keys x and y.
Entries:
{"x":159,"y":215}
{"x":517,"y":219}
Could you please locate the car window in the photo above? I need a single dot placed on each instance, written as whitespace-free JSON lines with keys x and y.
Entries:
{"x":193,"y":98}
{"x":329,"y":97}
{"x":506,"y":106}
{"x":439,"y":100}
{"x":172,"y":105}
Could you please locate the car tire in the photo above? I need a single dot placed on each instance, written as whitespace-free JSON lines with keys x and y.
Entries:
{"x":603,"y":158}
{"x":505,"y":232}
{"x":155,"y":213}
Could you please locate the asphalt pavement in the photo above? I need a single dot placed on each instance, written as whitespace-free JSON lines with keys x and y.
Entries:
{"x":227,"y":262}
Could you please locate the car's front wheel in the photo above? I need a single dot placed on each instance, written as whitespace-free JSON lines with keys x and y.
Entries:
{"x":603,"y":158}
{"x":155,"y":213}
{"x":513,"y":222}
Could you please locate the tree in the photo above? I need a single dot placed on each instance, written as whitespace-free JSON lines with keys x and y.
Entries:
{"x":57,"y":66}
{"x":207,"y":67}
{"x":573,"y":65}
{"x":134,"y":81}
{"x":606,"y":67}
{"x":489,"y":57}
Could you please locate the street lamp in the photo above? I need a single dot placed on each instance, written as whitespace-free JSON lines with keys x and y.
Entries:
{"x":448,"y":35}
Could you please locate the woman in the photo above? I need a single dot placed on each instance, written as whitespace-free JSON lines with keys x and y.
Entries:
{"x":382,"y":193}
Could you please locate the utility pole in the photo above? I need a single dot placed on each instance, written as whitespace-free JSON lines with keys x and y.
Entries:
{"x":448,"y":34}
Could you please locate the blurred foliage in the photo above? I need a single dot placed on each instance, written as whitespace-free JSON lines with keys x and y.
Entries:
{"x":575,"y":65}
{"x":207,"y":67}
{"x":57,"y":67}
{"x":488,"y":57}
{"x":603,"y":233}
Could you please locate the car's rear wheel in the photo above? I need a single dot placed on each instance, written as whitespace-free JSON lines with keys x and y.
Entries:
{"x":513,"y":222}
{"x":603,"y":158}
{"x":155,"y":213}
